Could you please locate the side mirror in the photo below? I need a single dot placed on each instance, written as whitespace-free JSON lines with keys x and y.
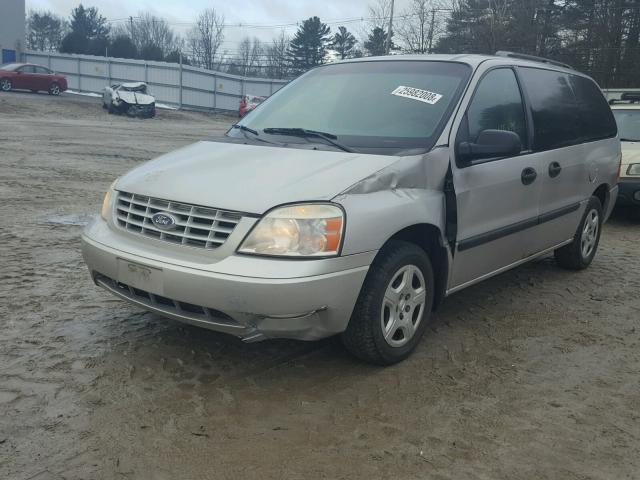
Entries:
{"x":491,"y":144}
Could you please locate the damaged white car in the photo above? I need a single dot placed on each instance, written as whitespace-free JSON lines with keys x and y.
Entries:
{"x":132,"y":99}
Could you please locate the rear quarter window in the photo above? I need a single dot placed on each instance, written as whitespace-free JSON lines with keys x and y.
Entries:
{"x":595,"y":117}
{"x":567,"y":109}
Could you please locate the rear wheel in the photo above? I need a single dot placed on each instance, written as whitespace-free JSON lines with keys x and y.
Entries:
{"x":6,"y":85}
{"x":54,"y":89}
{"x":579,"y":254}
{"x":394,"y":305}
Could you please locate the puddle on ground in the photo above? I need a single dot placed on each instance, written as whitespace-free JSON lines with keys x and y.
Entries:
{"x":67,"y":220}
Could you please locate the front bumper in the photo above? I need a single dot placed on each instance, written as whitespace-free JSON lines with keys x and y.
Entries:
{"x":629,"y":191}
{"x":280,"y":302}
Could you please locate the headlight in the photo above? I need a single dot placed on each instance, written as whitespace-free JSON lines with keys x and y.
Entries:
{"x":106,"y":203}
{"x":634,"y":169}
{"x":305,"y":230}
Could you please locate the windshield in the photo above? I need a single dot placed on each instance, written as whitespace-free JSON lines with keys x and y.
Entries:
{"x":10,"y":66}
{"x":380,"y":107}
{"x":628,"y":124}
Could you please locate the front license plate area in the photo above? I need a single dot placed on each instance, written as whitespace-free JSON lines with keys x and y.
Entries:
{"x":140,"y":276}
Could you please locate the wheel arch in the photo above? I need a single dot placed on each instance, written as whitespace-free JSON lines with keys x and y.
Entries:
{"x":429,"y":238}
{"x":602,"y":193}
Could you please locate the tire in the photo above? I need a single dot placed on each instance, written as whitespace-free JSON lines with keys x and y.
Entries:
{"x":6,"y":85}
{"x":104,"y":106}
{"x":377,"y":332}
{"x":54,"y":89}
{"x":579,"y":254}
{"x":111,"y":109}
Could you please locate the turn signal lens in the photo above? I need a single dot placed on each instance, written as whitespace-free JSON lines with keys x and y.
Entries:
{"x":306,"y":230}
{"x":106,"y":203}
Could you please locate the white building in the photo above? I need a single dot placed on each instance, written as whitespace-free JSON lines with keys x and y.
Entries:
{"x":12,"y":28}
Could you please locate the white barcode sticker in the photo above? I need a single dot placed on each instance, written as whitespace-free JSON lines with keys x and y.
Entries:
{"x":417,"y":94}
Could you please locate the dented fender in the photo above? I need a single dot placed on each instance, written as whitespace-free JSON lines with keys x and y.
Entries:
{"x":408,"y":192}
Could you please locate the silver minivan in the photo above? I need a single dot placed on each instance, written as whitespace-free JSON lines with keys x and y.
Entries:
{"x":359,"y":196}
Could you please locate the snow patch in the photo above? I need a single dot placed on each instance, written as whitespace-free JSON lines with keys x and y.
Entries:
{"x":84,"y":94}
{"x":165,"y":106}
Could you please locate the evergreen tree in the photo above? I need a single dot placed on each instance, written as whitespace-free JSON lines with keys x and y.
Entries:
{"x":375,"y":44}
{"x":89,"y":32}
{"x":123,"y":47}
{"x":309,"y":45}
{"x":343,"y":42}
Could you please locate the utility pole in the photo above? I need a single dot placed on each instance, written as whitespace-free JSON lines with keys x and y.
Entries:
{"x":387,"y":46}
{"x":132,"y":31}
{"x":431,"y":27}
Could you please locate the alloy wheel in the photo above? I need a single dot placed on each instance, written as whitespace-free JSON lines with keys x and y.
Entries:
{"x":403,"y":305}
{"x":589,"y":236}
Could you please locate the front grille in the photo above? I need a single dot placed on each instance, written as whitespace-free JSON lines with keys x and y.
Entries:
{"x":167,"y":305}
{"x":196,"y":226}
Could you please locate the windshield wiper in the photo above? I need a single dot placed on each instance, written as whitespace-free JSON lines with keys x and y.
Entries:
{"x":245,"y":129}
{"x":629,"y":140}
{"x":303,"y":132}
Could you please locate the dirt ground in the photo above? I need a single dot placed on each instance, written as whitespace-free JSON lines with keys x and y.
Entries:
{"x":534,"y":374}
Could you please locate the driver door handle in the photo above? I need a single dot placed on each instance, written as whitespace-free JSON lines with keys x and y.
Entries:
{"x":554,"y":169}
{"x":528,"y":176}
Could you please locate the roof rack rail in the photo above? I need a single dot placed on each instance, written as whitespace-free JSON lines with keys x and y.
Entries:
{"x":533,"y":58}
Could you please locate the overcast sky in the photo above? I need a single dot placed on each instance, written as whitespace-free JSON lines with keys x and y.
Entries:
{"x":269,"y":15}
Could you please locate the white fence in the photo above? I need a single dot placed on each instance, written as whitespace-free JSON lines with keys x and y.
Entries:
{"x":174,"y":84}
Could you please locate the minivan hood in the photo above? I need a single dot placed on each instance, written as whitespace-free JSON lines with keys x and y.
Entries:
{"x":134,"y":98}
{"x":249,"y":178}
{"x":630,"y":152}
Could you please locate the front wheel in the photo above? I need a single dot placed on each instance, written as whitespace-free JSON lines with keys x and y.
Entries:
{"x":6,"y":85}
{"x":394,"y":305}
{"x":579,"y":254}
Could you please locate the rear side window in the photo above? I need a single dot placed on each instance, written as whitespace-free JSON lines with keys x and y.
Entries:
{"x":554,"y":108}
{"x":595,"y":118}
{"x":497,"y":105}
{"x":42,"y":70}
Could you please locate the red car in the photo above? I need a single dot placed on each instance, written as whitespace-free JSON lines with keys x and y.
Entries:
{"x":248,"y":103}
{"x":26,"y":76}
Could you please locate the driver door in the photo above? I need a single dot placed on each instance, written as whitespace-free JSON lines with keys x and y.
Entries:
{"x":497,"y":198}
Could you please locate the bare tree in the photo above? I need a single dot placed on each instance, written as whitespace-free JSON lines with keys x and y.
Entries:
{"x":156,"y":32}
{"x":45,"y":31}
{"x":379,"y":12}
{"x":416,"y":26}
{"x":206,"y":37}
{"x":152,"y":36}
{"x":249,"y":54}
{"x":276,"y":57}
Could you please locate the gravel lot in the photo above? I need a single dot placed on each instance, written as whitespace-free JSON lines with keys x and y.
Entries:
{"x":531,"y":375}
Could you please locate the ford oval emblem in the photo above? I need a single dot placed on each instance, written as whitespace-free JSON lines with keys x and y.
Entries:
{"x":164,"y":221}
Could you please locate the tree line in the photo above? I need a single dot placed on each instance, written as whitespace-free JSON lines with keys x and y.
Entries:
{"x":599,"y":37}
